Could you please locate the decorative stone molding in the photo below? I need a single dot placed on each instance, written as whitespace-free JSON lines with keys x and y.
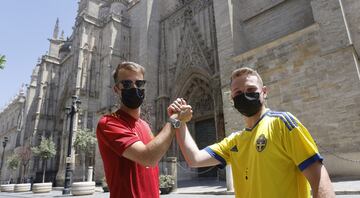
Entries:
{"x":176,"y":14}
{"x":84,"y":17}
{"x":186,"y":82}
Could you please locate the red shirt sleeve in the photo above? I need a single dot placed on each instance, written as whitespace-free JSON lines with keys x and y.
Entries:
{"x":115,"y":134}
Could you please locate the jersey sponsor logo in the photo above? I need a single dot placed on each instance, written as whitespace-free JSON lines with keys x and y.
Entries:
{"x":234,"y":149}
{"x":261,"y":143}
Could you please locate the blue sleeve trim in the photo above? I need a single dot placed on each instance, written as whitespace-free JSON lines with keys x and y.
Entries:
{"x":303,"y":165}
{"x":216,"y":156}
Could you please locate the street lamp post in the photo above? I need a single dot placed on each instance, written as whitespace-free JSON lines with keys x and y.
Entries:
{"x":2,"y":157}
{"x":68,"y":172}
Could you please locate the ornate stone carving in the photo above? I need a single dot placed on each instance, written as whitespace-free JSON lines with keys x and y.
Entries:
{"x":184,"y":9}
{"x":199,"y":95}
{"x":191,"y":53}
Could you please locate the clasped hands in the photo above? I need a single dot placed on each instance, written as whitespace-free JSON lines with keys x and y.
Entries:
{"x":180,"y":110}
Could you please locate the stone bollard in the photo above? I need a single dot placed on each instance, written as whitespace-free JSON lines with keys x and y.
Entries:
{"x":90,"y":174}
{"x":171,"y":163}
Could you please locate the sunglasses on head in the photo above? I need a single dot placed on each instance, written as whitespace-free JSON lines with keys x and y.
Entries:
{"x":127,"y":84}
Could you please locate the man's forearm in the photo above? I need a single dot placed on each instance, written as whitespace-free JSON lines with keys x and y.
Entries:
{"x":319,"y":180}
{"x":187,"y":145}
{"x":325,"y":189}
{"x":160,"y":144}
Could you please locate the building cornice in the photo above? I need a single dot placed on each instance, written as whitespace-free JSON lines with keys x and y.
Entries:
{"x":51,"y":59}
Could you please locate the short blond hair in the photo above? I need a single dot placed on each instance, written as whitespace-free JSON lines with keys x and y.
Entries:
{"x":245,"y":71}
{"x":127,"y":66}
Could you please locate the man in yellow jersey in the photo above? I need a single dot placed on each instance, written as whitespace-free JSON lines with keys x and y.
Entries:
{"x":274,"y":156}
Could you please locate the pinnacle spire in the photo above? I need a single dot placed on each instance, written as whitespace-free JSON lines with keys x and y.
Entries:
{"x":56,"y":29}
{"x":22,"y":89}
{"x":62,"y":35}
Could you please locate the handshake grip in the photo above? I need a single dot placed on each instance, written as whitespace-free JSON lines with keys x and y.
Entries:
{"x":180,"y":110}
{"x":185,"y":114}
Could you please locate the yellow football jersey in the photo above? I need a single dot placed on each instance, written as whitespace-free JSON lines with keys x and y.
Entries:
{"x":267,"y":160}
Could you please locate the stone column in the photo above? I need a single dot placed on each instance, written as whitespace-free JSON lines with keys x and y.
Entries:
{"x":225,"y":38}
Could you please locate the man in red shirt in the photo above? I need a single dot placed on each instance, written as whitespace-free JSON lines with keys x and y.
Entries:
{"x":129,"y":151}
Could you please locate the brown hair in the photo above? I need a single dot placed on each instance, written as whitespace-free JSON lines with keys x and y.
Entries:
{"x":245,"y":70}
{"x":128,"y":66}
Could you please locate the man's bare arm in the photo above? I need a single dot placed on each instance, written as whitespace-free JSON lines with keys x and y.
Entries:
{"x":319,"y":180}
{"x":151,"y":153}
{"x":193,"y":156}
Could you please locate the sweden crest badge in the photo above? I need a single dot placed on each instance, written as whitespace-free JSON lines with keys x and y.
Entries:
{"x":261,"y":143}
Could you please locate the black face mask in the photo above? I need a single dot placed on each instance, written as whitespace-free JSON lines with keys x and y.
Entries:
{"x":248,"y":104}
{"x":132,"y":97}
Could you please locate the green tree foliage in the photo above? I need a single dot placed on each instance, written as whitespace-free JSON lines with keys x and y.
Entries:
{"x":2,"y":61}
{"x":44,"y":151}
{"x":166,"y":181}
{"x":13,"y":163}
{"x":84,"y":142}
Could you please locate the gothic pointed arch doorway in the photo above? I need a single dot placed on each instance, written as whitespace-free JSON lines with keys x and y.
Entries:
{"x":189,"y":68}
{"x":197,"y":91}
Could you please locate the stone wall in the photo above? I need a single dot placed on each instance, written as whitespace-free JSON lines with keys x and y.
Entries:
{"x":259,"y":22}
{"x":322,"y":91}
{"x":145,"y":50}
{"x":11,"y":123}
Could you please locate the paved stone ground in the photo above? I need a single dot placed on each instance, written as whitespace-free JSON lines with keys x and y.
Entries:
{"x":195,"y":189}
{"x":106,"y":195}
{"x":212,"y":186}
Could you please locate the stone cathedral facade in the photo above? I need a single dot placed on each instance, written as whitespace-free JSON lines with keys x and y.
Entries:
{"x":305,"y":50}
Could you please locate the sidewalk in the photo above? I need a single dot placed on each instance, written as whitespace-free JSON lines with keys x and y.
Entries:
{"x":212,"y":186}
{"x":202,"y":186}
{"x":347,"y":187}
{"x":193,"y":188}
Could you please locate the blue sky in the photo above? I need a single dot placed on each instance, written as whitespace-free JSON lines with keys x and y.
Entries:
{"x":25,"y":27}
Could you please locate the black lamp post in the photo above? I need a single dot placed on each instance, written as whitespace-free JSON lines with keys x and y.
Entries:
{"x":71,"y":111}
{"x":2,"y":157}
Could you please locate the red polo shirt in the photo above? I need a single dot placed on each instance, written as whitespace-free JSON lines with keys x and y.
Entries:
{"x":125,"y":178}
